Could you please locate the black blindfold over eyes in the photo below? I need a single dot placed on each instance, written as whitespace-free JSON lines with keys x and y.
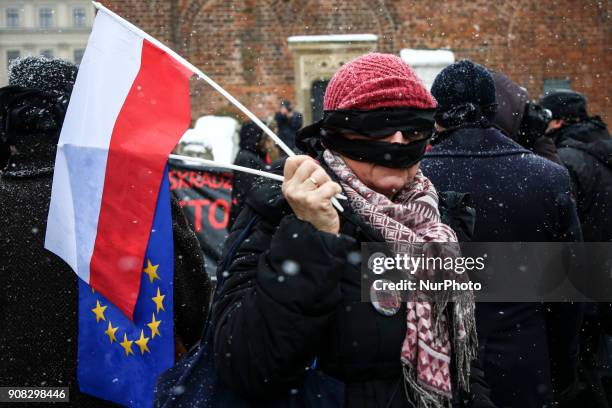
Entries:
{"x":379,"y":123}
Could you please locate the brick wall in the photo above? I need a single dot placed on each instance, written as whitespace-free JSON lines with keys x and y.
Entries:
{"x":242,"y":44}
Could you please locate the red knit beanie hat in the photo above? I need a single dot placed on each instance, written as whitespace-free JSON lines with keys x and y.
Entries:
{"x":375,"y":81}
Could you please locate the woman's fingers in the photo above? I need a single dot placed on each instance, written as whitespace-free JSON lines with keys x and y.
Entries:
{"x":316,"y":179}
{"x":292,"y":164}
{"x":304,"y":171}
{"x":328,"y":190}
{"x":309,"y":190}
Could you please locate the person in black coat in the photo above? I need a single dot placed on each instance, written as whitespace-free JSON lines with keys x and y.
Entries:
{"x":290,"y":307}
{"x":39,"y":298}
{"x":252,"y":155}
{"x":288,"y":123}
{"x":518,"y":196}
{"x":585,"y":148}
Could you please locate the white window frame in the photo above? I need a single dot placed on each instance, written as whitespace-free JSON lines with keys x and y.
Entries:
{"x":53,"y":16}
{"x":73,"y":16}
{"x":19,"y":16}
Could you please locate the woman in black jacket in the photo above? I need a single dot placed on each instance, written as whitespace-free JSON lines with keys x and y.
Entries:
{"x":291,"y":298}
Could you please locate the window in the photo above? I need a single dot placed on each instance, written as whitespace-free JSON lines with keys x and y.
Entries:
{"x":556,"y":83}
{"x":12,"y":17}
{"x":46,"y":17}
{"x":12,"y":55}
{"x":78,"y":55}
{"x":47,"y":53}
{"x":79,"y":19}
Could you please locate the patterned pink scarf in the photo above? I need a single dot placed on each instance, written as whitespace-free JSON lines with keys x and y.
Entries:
{"x":413,"y":217}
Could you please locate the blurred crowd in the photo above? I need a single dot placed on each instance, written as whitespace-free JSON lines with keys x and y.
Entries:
{"x":476,"y":158}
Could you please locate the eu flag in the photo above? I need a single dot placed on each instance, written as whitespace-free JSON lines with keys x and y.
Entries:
{"x":120,"y":360}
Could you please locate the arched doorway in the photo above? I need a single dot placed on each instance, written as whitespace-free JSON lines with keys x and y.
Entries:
{"x":317,"y":92}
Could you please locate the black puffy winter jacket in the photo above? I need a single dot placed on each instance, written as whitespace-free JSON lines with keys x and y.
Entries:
{"x":585,"y":149}
{"x":293,"y":293}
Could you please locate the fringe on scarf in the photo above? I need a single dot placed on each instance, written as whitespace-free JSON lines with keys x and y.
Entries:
{"x":465,"y":349}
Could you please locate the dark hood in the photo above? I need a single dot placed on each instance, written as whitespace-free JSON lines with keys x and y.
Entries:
{"x":590,"y":136}
{"x":31,"y":121}
{"x":25,"y":111}
{"x":250,"y":138}
{"x":511,"y":100}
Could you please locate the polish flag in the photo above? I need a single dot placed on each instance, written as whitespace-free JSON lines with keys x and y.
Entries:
{"x":129,"y":108}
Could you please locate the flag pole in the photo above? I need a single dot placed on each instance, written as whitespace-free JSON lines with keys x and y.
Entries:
{"x":212,"y":163}
{"x":200,"y":74}
{"x":277,"y":177}
{"x":205,"y":77}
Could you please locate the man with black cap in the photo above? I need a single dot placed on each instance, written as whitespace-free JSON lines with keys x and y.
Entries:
{"x":518,"y":196}
{"x":585,"y":148}
{"x":288,"y":122}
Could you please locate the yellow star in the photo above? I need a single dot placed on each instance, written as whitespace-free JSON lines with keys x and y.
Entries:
{"x":99,"y":311}
{"x":110,"y":332}
{"x":151,"y":270}
{"x":154,"y":326}
{"x":159,"y":299}
{"x":127,"y":345}
{"x":142,"y":343}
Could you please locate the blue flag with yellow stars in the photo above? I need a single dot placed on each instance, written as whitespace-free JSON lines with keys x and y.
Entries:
{"x":120,"y":360}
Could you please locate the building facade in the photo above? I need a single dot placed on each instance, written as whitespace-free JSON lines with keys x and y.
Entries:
{"x":244,"y":44}
{"x":263,"y":51}
{"x":53,"y":28}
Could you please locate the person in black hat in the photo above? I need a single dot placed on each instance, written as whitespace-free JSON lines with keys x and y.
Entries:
{"x":252,"y":154}
{"x":585,"y":148}
{"x":567,"y":106}
{"x":518,"y":196}
{"x":288,"y":123}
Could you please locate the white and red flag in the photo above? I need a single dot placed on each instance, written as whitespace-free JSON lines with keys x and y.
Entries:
{"x":129,"y":108}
